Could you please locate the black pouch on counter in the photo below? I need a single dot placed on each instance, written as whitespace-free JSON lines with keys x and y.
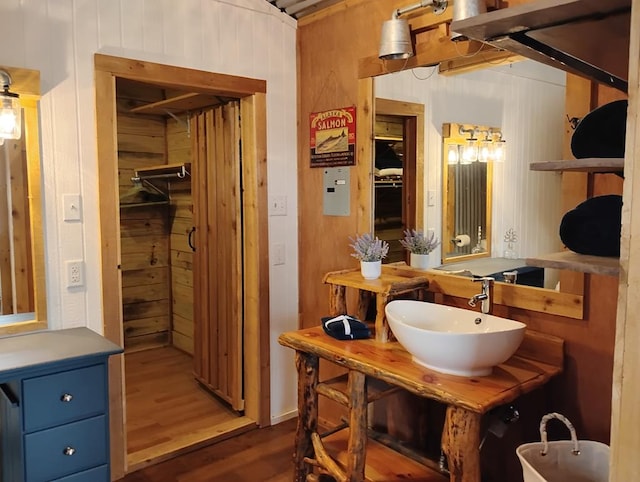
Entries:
{"x":345,"y":327}
{"x":593,"y":227}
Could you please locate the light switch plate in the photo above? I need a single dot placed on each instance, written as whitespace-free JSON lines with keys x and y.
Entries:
{"x":72,"y":204}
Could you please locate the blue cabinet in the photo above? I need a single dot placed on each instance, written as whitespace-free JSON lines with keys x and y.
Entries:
{"x":54,"y":406}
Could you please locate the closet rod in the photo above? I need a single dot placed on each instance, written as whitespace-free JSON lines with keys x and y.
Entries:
{"x":180,"y":174}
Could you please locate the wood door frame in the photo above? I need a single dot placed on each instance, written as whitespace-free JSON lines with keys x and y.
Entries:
{"x":252,"y":95}
{"x":413,"y":184}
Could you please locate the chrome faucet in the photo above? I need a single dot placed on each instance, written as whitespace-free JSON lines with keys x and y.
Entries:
{"x":484,"y":296}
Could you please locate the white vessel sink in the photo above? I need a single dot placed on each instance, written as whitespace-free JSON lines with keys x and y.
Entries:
{"x":453,"y":340}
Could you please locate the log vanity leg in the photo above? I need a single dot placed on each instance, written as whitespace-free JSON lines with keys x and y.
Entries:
{"x":307,"y":366}
{"x":383,"y":332}
{"x":357,"y":448}
{"x":337,"y":300}
{"x":461,"y":444}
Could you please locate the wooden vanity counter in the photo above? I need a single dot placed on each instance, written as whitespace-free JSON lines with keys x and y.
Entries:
{"x":539,"y":358}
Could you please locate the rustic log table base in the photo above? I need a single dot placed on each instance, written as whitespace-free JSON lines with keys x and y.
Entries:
{"x":539,"y":358}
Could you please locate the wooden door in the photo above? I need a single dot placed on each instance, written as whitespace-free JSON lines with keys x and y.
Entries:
{"x":218,"y":294}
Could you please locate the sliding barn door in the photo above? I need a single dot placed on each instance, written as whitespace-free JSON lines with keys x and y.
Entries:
{"x":218,"y":293}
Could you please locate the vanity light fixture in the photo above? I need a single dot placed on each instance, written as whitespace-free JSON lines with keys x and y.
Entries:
{"x":395,"y":39}
{"x":10,"y":110}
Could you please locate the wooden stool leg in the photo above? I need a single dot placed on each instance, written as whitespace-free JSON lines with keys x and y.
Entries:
{"x":357,"y":449}
{"x":307,"y":366}
{"x":461,"y":444}
{"x":337,"y":300}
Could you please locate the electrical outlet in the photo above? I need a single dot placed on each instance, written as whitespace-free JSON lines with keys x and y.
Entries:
{"x":75,"y":274}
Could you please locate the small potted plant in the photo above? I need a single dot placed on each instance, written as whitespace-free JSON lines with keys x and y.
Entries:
{"x":419,"y":246}
{"x":370,"y":251}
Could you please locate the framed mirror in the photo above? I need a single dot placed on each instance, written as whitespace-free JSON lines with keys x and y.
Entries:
{"x":526,"y":101}
{"x":467,"y":173}
{"x":22,"y":275}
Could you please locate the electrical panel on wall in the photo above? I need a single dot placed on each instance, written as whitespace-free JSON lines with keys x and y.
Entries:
{"x":336,"y":197}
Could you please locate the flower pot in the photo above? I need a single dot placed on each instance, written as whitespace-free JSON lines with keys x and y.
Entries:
{"x":371,"y":269}
{"x":419,"y":261}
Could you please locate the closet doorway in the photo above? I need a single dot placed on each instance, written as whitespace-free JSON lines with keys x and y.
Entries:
{"x":188,"y":255}
{"x":398,"y":166}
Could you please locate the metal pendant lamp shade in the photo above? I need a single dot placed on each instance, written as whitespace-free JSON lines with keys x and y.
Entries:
{"x":395,"y":40}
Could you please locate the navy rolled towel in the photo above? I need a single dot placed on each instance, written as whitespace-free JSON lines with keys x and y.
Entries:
{"x":593,"y":227}
{"x":345,"y":327}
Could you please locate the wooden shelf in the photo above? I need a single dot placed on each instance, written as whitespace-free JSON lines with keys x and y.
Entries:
{"x":336,"y":389}
{"x":602,"y":265}
{"x":383,"y":463}
{"x":569,"y":260}
{"x":591,"y":164}
{"x":181,"y":103}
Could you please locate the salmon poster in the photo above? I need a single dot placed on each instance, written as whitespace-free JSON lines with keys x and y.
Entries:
{"x":333,"y":137}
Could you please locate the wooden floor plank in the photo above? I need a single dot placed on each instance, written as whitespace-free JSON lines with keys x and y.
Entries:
{"x":168,"y":411}
{"x":262,"y":455}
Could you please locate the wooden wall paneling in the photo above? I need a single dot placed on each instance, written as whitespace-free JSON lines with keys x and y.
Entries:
{"x":6,"y":272}
{"x":144,"y":231}
{"x":575,"y":187}
{"x":181,"y":223}
{"x":145,"y":254}
{"x":22,"y":258}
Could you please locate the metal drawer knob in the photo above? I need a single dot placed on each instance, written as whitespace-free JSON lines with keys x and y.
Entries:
{"x":67,"y":397}
{"x":69,"y":451}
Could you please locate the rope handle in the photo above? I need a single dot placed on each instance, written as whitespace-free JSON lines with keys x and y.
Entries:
{"x":543,"y":432}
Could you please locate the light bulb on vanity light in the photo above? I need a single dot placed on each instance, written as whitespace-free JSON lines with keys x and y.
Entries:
{"x":453,"y":154}
{"x":10,"y":110}
{"x":485,"y":147}
{"x":499,"y":148}
{"x":470,"y":151}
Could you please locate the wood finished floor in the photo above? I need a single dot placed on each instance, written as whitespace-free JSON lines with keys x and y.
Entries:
{"x":262,"y":455}
{"x":168,"y":412}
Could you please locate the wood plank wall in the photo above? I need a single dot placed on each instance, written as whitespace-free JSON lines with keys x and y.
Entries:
{"x":16,"y":270}
{"x":181,"y":207}
{"x":328,"y":78}
{"x":144,"y":230}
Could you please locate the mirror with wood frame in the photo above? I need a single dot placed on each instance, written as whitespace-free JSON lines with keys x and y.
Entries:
{"x":22,"y":276}
{"x":466,"y":193}
{"x":525,"y":100}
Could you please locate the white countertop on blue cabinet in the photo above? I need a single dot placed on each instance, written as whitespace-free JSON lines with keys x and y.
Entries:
{"x":27,"y":351}
{"x":54,"y":406}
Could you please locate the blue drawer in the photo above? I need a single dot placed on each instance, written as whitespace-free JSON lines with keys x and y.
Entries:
{"x":52,"y":400}
{"x":45,"y":457}
{"x":98,"y":474}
